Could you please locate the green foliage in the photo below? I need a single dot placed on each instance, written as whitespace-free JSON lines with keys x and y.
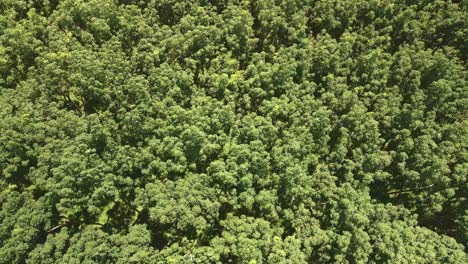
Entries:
{"x":233,"y":131}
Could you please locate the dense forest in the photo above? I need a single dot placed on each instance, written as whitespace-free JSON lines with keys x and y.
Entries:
{"x":235,"y":131}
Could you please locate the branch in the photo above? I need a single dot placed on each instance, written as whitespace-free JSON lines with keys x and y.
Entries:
{"x":410,"y":190}
{"x":57,"y":227}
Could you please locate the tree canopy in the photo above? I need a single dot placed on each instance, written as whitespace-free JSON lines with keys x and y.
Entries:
{"x":233,"y":131}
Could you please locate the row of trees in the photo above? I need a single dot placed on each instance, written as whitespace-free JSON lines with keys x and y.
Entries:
{"x":235,"y":131}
